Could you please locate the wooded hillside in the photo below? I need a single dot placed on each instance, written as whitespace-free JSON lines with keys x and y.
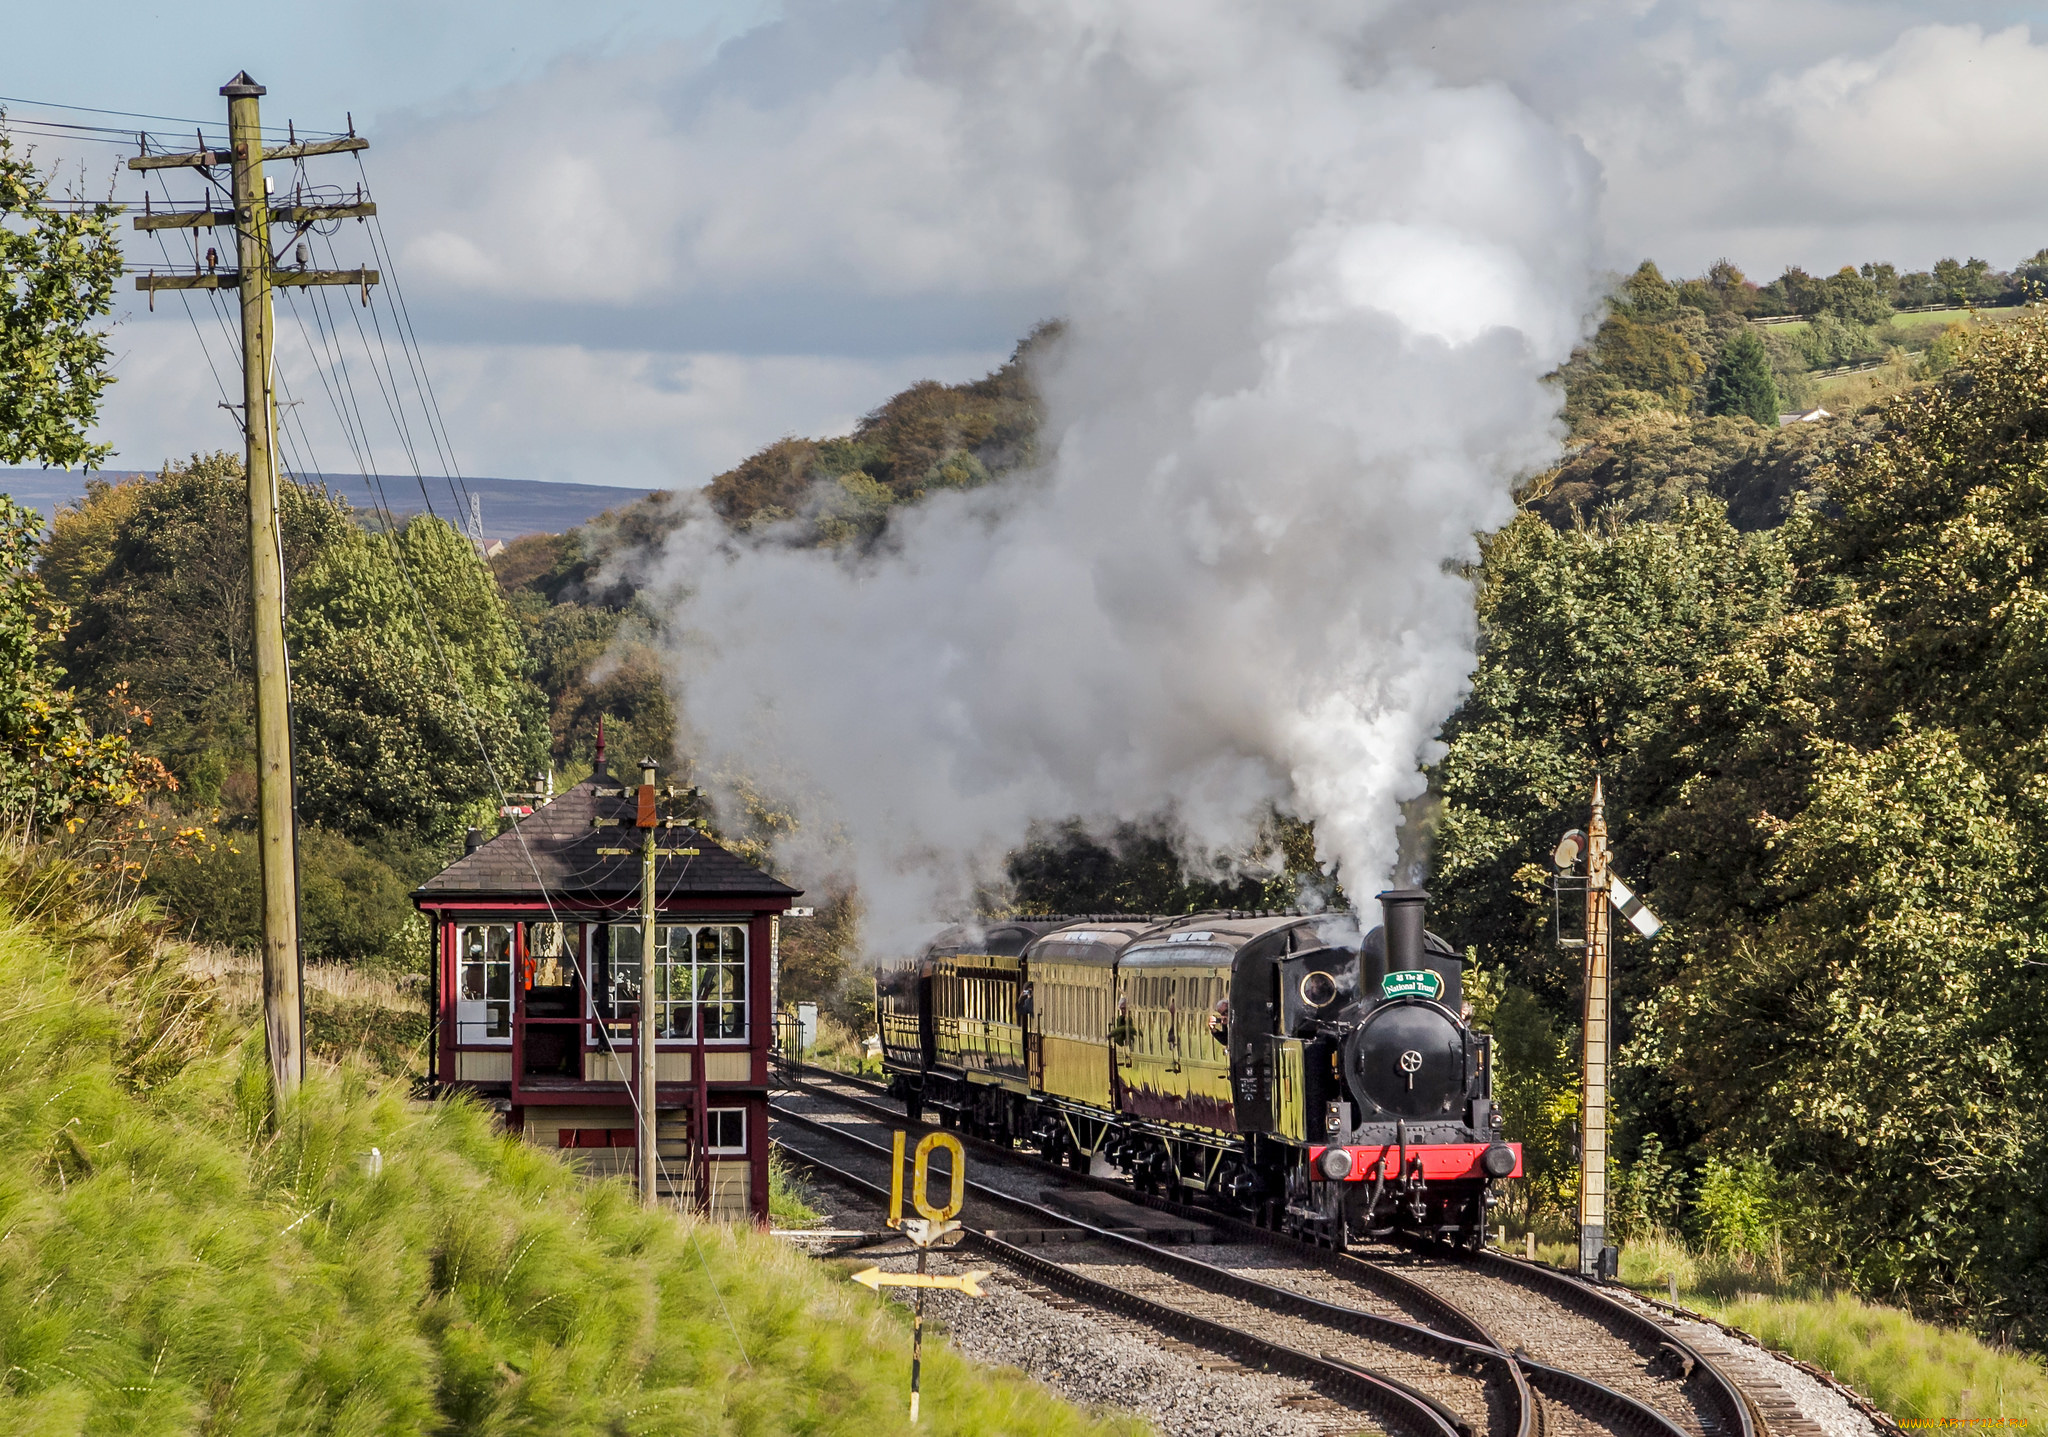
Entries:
{"x":1806,"y":659}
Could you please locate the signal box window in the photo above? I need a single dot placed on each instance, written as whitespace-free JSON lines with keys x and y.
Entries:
{"x":721,"y":951}
{"x":727,"y":1130}
{"x":483,"y":1006}
{"x":697,"y":969}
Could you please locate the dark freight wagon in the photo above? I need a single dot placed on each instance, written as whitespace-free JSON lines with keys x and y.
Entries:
{"x":536,"y":992}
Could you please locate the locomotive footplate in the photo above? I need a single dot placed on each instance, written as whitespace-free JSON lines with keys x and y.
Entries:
{"x":1106,"y":1210}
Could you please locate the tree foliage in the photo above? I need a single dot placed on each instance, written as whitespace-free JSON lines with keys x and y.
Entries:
{"x":1826,"y":765}
{"x":408,"y":671}
{"x":1142,"y":867}
{"x":58,"y":264}
{"x":1741,"y":382}
{"x":56,"y":764}
{"x":930,"y":437}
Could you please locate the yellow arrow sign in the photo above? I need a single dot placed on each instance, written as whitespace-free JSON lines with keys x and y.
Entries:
{"x":967,"y":1282}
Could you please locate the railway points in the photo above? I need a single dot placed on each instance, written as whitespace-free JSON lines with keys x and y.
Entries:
{"x":1579,"y":1345}
{"x":1565,"y":1387}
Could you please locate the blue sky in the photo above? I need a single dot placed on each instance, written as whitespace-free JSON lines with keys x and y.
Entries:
{"x":638,"y":240}
{"x":324,"y":61}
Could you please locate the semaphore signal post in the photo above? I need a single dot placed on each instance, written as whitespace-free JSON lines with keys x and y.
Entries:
{"x":1604,"y":889}
{"x":254,"y":275}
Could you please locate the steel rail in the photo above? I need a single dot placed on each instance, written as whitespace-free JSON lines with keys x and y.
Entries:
{"x":1400,"y":1407}
{"x":1724,"y":1397}
{"x":1423,"y":1342}
{"x":1404,"y":1291}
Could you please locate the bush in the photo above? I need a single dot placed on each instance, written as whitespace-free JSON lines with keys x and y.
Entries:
{"x":353,"y":904}
{"x":1737,"y":1211}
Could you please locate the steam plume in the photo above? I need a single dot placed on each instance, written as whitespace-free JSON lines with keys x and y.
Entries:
{"x":1310,"y":304}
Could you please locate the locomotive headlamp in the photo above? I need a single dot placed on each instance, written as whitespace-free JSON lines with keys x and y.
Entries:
{"x":1337,"y":1164}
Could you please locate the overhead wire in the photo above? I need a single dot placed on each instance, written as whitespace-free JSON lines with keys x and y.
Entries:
{"x":374,"y":477}
{"x":330,"y":364}
{"x":402,"y":315}
{"x":140,"y":115}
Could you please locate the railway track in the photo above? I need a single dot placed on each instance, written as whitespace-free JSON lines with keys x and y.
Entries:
{"x":1409,"y":1382}
{"x":1378,"y":1320}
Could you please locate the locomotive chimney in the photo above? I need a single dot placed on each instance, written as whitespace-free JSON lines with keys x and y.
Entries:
{"x":1403,"y":910}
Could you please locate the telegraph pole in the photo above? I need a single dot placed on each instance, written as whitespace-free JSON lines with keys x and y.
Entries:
{"x":254,"y":275}
{"x":646,"y":1058}
{"x":1593,"y":1064}
{"x":283,"y":1016}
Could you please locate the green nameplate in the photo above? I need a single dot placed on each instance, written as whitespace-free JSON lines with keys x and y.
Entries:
{"x":1412,"y":983}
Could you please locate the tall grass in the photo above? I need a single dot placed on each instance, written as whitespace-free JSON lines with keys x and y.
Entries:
{"x":172,"y":1262}
{"x":1912,"y":1368}
{"x":370,"y":1015}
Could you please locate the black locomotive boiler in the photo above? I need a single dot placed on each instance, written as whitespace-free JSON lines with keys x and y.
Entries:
{"x":1324,"y":1080}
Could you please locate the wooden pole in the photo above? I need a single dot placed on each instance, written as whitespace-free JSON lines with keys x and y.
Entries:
{"x":283,"y":1021}
{"x":647,"y":1054}
{"x":1593,"y":1065}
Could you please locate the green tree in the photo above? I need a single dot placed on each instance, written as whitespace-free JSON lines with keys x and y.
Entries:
{"x":1586,"y":636}
{"x":1648,"y":358}
{"x":54,"y":765}
{"x":159,"y":571}
{"x":1967,"y":282}
{"x":408,"y":668}
{"x":1646,"y":295}
{"x":1741,"y":382}
{"x":58,"y":264}
{"x":1841,"y":819}
{"x":1854,"y":298}
{"x":410,"y":685}
{"x":1731,"y":286}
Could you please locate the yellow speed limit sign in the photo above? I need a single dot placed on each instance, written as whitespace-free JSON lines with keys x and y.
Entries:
{"x":920,"y":1189}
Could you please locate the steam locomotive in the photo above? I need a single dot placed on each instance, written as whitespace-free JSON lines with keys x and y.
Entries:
{"x":1325,"y":1081}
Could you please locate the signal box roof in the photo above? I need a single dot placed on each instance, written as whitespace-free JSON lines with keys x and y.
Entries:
{"x":558,"y":853}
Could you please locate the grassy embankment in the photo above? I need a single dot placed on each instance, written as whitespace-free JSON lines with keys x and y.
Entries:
{"x":839,"y":1049}
{"x":1909,"y":1367}
{"x":168,"y":1263}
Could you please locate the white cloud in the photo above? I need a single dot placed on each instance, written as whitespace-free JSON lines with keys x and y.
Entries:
{"x":1813,"y":132}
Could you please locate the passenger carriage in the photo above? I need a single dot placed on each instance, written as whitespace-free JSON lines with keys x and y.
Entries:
{"x":1324,"y":1079}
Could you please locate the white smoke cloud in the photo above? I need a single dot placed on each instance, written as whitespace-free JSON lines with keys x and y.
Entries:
{"x":1310,"y":309}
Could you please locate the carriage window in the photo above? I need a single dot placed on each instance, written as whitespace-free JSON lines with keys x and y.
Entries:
{"x":483,"y":1007}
